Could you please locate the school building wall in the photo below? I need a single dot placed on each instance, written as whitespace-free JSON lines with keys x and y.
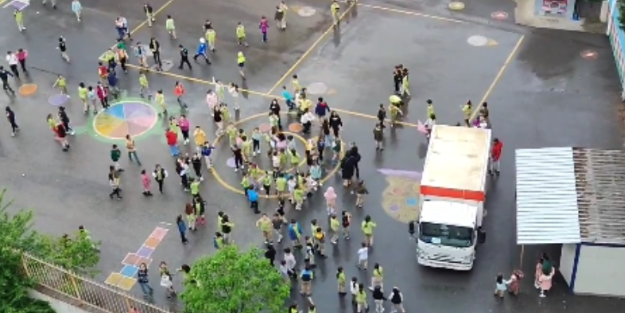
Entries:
{"x":57,"y":305}
{"x":617,"y":41}
{"x":598,"y":270}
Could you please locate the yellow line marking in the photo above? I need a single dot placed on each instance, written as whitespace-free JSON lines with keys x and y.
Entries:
{"x":226,"y":185}
{"x":413,"y":13}
{"x":498,"y":77}
{"x":307,"y":52}
{"x":195,"y":80}
{"x":138,"y":27}
{"x":260,"y":94}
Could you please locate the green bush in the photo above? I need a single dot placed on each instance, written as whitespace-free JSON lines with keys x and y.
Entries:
{"x":77,"y":253}
{"x":232,"y":281}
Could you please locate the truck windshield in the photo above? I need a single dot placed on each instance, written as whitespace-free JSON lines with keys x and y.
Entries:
{"x":446,"y":235}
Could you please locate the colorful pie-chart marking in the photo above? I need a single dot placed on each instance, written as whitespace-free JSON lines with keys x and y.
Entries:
{"x":133,"y":118}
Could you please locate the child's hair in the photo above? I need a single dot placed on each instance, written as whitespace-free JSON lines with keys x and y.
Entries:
{"x":499,"y":279}
{"x":289,"y":137}
{"x":256,"y":129}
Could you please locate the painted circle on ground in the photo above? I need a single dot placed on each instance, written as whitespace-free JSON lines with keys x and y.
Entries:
{"x":456,"y":6}
{"x":58,"y":99}
{"x":589,"y":54}
{"x":477,"y":41}
{"x":296,"y":127}
{"x":28,"y":89}
{"x":133,"y":118}
{"x":329,"y":174}
{"x":400,"y":199}
{"x":317,"y":88}
{"x":306,"y":12}
{"x":264,"y":128}
{"x":231,"y":163}
{"x":499,"y":15}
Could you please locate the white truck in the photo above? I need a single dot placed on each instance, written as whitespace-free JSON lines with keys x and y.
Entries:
{"x":452,"y":195}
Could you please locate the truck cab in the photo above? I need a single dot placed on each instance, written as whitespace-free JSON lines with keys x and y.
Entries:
{"x":448,"y":234}
{"x":452,"y":196}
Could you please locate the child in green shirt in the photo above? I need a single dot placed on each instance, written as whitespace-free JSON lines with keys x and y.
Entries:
{"x":170,"y":26}
{"x":281,"y":184}
{"x":143,"y":82}
{"x":266,"y":181}
{"x":294,"y":158}
{"x":61,"y":83}
{"x":231,"y":131}
{"x":298,"y":196}
{"x":160,"y":99}
{"x":246,"y":149}
{"x":82,"y":94}
{"x":246,"y":183}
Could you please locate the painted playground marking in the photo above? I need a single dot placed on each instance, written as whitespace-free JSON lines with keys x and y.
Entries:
{"x":125,"y":278}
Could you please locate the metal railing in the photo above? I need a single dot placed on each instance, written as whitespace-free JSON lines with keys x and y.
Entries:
{"x":82,"y":292}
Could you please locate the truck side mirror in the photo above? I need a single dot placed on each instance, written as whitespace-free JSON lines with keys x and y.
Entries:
{"x":481,"y":236}
{"x":412,"y":228}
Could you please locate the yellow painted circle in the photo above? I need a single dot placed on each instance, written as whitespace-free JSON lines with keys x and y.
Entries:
{"x":226,"y":185}
{"x":456,"y":6}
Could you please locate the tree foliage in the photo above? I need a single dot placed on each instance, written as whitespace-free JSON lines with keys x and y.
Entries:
{"x":79,"y":254}
{"x":232,"y":281}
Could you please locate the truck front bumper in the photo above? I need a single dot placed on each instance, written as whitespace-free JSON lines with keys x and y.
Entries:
{"x":448,"y":265}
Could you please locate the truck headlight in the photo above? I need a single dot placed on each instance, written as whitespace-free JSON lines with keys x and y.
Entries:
{"x":467,"y":259}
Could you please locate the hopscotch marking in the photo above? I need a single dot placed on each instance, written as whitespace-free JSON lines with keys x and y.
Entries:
{"x":125,"y":278}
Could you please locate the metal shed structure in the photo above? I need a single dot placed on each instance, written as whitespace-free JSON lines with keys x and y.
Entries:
{"x":576,"y":197}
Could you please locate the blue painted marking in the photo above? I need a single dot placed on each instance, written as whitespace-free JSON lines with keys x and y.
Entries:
{"x":129,"y":271}
{"x":411,"y":201}
{"x":117,"y":111}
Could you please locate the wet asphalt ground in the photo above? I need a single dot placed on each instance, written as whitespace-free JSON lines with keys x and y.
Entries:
{"x":547,"y":95}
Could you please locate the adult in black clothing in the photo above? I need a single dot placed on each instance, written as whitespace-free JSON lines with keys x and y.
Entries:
{"x":347,"y":169}
{"x":270,"y":253}
{"x":335,"y":123}
{"x":4,"y":76}
{"x":274,"y":107}
{"x":397,"y":77}
{"x":184,"y":57}
{"x":353,"y":153}
{"x":155,"y":47}
{"x":226,"y":228}
{"x":397,"y":300}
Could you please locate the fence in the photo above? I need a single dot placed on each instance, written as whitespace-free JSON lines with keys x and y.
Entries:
{"x":79,"y":291}
{"x":617,"y":40}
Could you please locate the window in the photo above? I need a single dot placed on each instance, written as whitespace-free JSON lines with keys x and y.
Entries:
{"x":446,"y":235}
